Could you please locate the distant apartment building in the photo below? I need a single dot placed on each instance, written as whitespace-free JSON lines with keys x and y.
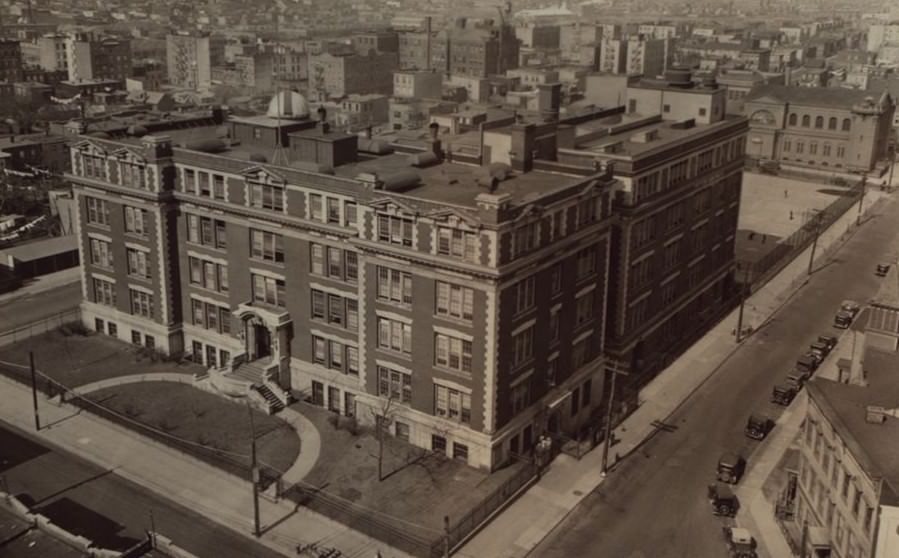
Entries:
{"x":475,"y":308}
{"x":290,"y":63}
{"x":337,"y":75}
{"x":538,"y":36}
{"x":659,"y":30}
{"x":10,"y":61}
{"x":379,"y":41}
{"x":415,"y":48}
{"x":739,"y":83}
{"x":190,"y":57}
{"x":360,"y":112}
{"x":881,"y":34}
{"x":573,"y":37}
{"x":476,"y":48}
{"x":755,"y":59}
{"x":636,"y":55}
{"x":92,"y":57}
{"x":823,"y":128}
{"x":532,"y":76}
{"x":52,"y":53}
{"x":417,"y":84}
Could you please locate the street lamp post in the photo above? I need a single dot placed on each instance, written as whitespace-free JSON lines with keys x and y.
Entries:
{"x":254,"y":474}
{"x":744,"y":286}
{"x":608,"y":425}
{"x":811,"y":258}
{"x":861,"y":199}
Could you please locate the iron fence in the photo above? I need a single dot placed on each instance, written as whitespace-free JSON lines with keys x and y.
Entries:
{"x":39,"y":327}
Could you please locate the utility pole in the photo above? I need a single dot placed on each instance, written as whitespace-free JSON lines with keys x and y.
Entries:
{"x":811,"y":259}
{"x":892,"y":164}
{"x":446,"y":538}
{"x":254,"y":474}
{"x":608,"y":426}
{"x":152,"y":530}
{"x":37,"y":418}
{"x":861,"y":200}
{"x":744,"y":285}
{"x":804,"y":539}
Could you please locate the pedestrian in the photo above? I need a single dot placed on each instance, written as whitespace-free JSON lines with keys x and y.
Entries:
{"x":791,"y":215}
{"x":786,"y":193}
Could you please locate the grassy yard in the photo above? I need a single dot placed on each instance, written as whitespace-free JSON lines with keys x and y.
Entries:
{"x":75,"y":360}
{"x":220,"y":426}
{"x":421,"y":487}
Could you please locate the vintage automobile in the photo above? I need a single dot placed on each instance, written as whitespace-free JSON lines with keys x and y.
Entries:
{"x":784,"y":393}
{"x":882,"y":270}
{"x":758,"y":426}
{"x":829,"y":340}
{"x":808,"y":362}
{"x":842,"y":320}
{"x":723,"y":500}
{"x":821,"y":349}
{"x":740,"y":543}
{"x":731,"y":466}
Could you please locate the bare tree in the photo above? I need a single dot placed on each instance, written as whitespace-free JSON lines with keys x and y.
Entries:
{"x":384,"y":417}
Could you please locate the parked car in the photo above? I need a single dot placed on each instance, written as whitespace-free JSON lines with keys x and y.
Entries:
{"x":758,"y":426}
{"x":784,"y":393}
{"x":731,"y":467}
{"x":723,"y":500}
{"x":829,"y":340}
{"x":882,"y":270}
{"x":820,"y":349}
{"x":843,"y":320}
{"x":740,"y":543}
{"x":797,"y":378}
{"x":808,"y":362}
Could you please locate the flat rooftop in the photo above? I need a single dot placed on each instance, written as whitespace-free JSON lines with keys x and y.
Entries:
{"x":630,"y":146}
{"x":874,"y":445}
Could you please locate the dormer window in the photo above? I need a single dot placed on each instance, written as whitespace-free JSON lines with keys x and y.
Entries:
{"x":266,"y":196}
{"x":395,"y":230}
{"x":457,"y":243}
{"x":94,"y":166}
{"x":132,"y":175}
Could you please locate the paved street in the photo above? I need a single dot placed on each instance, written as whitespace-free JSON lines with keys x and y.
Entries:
{"x":654,"y":504}
{"x":101,"y":505}
{"x":31,"y":307}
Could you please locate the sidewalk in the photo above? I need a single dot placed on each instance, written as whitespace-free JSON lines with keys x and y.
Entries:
{"x":568,"y":481}
{"x":188,"y":482}
{"x":44,"y":283}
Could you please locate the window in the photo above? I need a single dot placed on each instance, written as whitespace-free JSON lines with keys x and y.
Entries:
{"x":268,"y":290}
{"x":318,"y":305}
{"x":455,"y":301}
{"x":525,"y":239}
{"x":832,"y":123}
{"x":575,"y":401}
{"x":267,"y":196}
{"x":841,"y":151}
{"x":641,"y":273}
{"x":131,"y":174}
{"x":819,"y":122}
{"x":584,"y":309}
{"x":319,"y":351}
{"x":351,"y":268}
{"x":317,"y":260}
{"x":104,"y":292}
{"x":792,"y":119}
{"x":460,"y":452}
{"x":666,"y":108}
{"x":395,"y":230}
{"x":394,"y":335}
{"x":580,"y":354}
{"x":206,"y":231}
{"x":136,"y":340}
{"x":335,"y":262}
{"x":402,"y":430}
{"x":524,"y":294}
{"x":555,"y":279}
{"x":137,"y":263}
{"x":149,"y":341}
{"x":190,"y":181}
{"x":643,"y":232}
{"x":452,"y":404}
{"x":586,"y":388}
{"x":218,"y":187}
{"x":204,"y":183}
{"x":97,"y":212}
{"x":586,"y":262}
{"x":806,"y":121}
{"x":335,"y":310}
{"x":786,"y":146}
{"x":800,"y":147}
{"x":702,"y":111}
{"x":267,"y":246}
{"x":101,"y":253}
{"x":846,"y":124}
{"x":813,"y":148}
{"x":452,"y":352}
{"x":352,"y":361}
{"x":94,"y":166}
{"x":334,"y":211}
{"x":141,"y":303}
{"x":827,"y":150}
{"x":336,"y":349}
{"x":521,"y":396}
{"x":315,"y":207}
{"x":349,"y":214}
{"x":394,"y":285}
{"x":523,"y":347}
{"x":135,"y":221}
{"x":438,"y":443}
{"x":457,"y":243}
{"x":395,"y":385}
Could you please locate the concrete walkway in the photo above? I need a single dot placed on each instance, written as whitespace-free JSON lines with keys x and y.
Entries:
{"x":311,"y":442}
{"x":536,"y":513}
{"x":187,"y":481}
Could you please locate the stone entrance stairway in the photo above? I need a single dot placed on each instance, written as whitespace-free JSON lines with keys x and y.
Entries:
{"x":254,"y":380}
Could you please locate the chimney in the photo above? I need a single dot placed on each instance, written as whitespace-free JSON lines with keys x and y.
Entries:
{"x":323,"y":120}
{"x":434,"y":141}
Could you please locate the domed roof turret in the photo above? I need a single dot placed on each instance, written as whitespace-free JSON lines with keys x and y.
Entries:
{"x":288,"y":104}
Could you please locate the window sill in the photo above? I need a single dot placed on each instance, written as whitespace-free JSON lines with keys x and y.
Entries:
{"x":453,"y":372}
{"x":203,"y":289}
{"x":267,"y":262}
{"x":140,"y":278}
{"x":222,"y":250}
{"x":398,"y":354}
{"x":454,"y":320}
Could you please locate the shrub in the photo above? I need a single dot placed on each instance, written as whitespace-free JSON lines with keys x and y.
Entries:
{"x":352,"y":426}
{"x":334,"y":420}
{"x":166,"y":425}
{"x":73,"y":328}
{"x":132,"y":411}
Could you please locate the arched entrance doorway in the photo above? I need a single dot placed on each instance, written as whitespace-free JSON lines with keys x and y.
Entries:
{"x":258,"y":338}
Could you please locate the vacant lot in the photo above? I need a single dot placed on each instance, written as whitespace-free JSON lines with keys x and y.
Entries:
{"x":767,"y":202}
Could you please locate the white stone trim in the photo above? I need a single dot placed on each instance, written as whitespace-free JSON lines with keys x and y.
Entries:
{"x":491,"y":326}
{"x":138,"y":247}
{"x":331,"y":290}
{"x":642,"y":257}
{"x":639,"y":299}
{"x":98,"y":236}
{"x":670,"y":278}
{"x":452,"y":385}
{"x":523,"y":327}
{"x":266,"y":273}
{"x":206,"y":299}
{"x":585,"y":290}
{"x":582,"y":336}
{"x":451,"y":332}
{"x":332,"y":337}
{"x":696,"y":260}
{"x":103,"y":277}
{"x":552,"y":356}
{"x":162,"y":257}
{"x":555,"y":308}
{"x":141,"y":289}
{"x":673,"y":239}
{"x":521,"y":378}
{"x":206,"y":257}
{"x":394,"y":317}
{"x":393,"y":366}
{"x":699,"y":224}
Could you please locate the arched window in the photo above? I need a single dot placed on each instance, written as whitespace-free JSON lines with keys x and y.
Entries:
{"x":806,"y":121}
{"x":793,"y":119}
{"x":819,"y":122}
{"x":832,"y":123}
{"x":846,"y":124}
